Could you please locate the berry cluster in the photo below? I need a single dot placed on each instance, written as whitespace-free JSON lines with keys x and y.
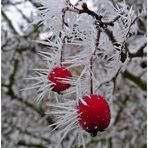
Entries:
{"x":101,"y":54}
{"x":93,"y":116}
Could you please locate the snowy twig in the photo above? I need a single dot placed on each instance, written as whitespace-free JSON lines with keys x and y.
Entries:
{"x":91,"y":60}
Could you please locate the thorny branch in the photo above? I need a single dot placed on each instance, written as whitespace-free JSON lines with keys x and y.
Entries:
{"x":104,"y":25}
{"x":100,"y":25}
{"x":86,"y":10}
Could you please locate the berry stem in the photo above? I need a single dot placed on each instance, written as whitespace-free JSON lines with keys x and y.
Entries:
{"x":91,"y":81}
{"x":91,"y":61}
{"x":63,"y":42}
{"x":61,"y":58}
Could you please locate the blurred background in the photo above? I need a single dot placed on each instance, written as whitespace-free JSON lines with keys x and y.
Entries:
{"x":24,"y":124}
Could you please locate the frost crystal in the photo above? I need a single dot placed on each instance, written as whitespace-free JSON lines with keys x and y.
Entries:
{"x":89,"y":40}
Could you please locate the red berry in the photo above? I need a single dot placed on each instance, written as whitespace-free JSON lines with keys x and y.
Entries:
{"x":95,"y":116}
{"x":143,"y":64}
{"x":56,"y":76}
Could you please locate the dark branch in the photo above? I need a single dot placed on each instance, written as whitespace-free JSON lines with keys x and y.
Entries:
{"x":139,"y":53}
{"x":9,"y":22}
{"x":135,"y":79}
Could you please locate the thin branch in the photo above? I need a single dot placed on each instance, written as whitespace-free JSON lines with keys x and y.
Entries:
{"x":124,"y":102}
{"x":111,"y":37}
{"x":13,"y":96}
{"x":91,"y":13}
{"x":25,"y":131}
{"x":113,"y":79}
{"x":135,"y":79}
{"x":91,"y":60}
{"x":21,"y":12}
{"x":139,"y":53}
{"x":9,"y":22}
{"x":33,"y":145}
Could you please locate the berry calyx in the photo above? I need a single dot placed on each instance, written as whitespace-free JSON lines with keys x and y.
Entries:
{"x":95,"y":116}
{"x":56,"y":76}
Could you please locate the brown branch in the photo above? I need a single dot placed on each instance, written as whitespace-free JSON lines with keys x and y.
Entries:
{"x":99,"y":24}
{"x":86,"y":10}
{"x":111,"y":37}
{"x":89,"y":12}
{"x":91,"y":60}
{"x":139,"y":53}
{"x":33,"y":145}
{"x":94,"y":15}
{"x":111,"y":23}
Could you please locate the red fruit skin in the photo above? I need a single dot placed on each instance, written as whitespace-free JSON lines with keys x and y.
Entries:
{"x":55,"y":75}
{"x":95,"y":116}
{"x":143,"y":64}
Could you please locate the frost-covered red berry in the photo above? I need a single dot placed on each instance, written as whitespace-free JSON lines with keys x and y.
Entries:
{"x":95,"y":116}
{"x":56,"y":76}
